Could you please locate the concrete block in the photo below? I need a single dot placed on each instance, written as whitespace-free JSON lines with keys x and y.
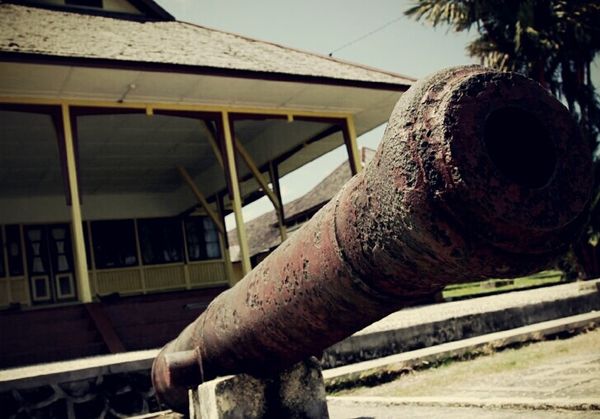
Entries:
{"x":301,"y":391}
{"x":231,"y":397}
{"x":298,"y":392}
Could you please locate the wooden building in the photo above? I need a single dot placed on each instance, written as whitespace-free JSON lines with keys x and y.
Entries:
{"x":126,"y":137}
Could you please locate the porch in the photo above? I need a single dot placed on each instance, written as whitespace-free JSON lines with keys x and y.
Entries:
{"x":102,"y":199}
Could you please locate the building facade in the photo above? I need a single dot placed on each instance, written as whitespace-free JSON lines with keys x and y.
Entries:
{"x":127,"y":136}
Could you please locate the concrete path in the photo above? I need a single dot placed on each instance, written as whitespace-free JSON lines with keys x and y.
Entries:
{"x":394,"y":365}
{"x":551,"y":379}
{"x":349,"y":410}
{"x":431,"y":325}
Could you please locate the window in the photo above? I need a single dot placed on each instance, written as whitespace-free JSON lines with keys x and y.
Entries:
{"x":202,"y":239}
{"x":114,"y":244}
{"x":161,"y":240}
{"x":13,"y":251}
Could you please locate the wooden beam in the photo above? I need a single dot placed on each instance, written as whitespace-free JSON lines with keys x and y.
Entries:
{"x":81,"y":269}
{"x":321,"y":135}
{"x":212,"y":140}
{"x":201,"y":199}
{"x":352,"y":146}
{"x":237,"y":198}
{"x":168,"y":106}
{"x":256,"y":173}
{"x":105,"y":327}
{"x":274,"y":175}
{"x":218,"y":145}
{"x":138,"y":249}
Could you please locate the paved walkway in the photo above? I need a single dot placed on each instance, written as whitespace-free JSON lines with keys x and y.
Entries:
{"x":553,"y":379}
{"x":380,"y":411}
{"x":427,"y":326}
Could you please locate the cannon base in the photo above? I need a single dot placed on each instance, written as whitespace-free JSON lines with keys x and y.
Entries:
{"x":298,"y":392}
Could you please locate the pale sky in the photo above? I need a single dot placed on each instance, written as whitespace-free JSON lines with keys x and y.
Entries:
{"x":322,"y":26}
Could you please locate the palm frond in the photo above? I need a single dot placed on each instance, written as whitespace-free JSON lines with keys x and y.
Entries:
{"x":451,"y":12}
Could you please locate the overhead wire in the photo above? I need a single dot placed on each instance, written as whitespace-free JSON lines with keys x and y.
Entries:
{"x":360,"y":38}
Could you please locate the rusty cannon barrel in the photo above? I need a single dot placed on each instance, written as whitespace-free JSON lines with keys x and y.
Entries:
{"x":480,"y":174}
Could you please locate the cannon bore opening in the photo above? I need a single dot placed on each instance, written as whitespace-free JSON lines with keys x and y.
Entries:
{"x":520,"y":147}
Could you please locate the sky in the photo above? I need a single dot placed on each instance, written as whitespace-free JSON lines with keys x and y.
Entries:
{"x":403,"y":46}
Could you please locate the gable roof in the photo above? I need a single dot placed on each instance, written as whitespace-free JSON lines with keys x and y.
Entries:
{"x":263,"y":231}
{"x":41,"y":33}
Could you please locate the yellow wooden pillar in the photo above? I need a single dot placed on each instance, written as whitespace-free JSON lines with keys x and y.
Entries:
{"x":225,"y":245}
{"x":81,"y":269}
{"x":352,"y":146}
{"x":235,"y":190}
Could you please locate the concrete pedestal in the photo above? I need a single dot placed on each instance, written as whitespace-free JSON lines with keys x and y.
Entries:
{"x":298,"y":392}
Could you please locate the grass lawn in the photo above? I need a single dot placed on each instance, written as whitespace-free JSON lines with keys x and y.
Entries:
{"x":476,"y":289}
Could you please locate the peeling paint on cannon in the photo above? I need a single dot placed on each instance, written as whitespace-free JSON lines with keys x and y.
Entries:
{"x":480,"y":174}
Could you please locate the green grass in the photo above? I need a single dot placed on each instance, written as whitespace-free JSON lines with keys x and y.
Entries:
{"x":475,"y":289}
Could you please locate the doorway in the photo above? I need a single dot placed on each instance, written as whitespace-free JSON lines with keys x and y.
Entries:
{"x":50,"y":262}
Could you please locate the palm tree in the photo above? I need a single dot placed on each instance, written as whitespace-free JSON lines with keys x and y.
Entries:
{"x":551,"y":41}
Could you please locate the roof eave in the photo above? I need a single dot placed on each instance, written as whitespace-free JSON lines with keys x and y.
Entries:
{"x":16,"y":56}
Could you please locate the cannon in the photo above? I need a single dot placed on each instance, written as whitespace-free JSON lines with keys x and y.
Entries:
{"x":480,"y":174}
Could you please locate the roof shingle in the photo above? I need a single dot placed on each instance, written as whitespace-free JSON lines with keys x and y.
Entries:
{"x":38,"y":31}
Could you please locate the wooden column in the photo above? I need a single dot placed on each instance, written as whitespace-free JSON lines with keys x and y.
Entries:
{"x":81,"y":269}
{"x":225,"y":244}
{"x":352,"y":146}
{"x":235,"y":189}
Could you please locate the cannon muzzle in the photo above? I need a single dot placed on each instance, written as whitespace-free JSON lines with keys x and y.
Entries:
{"x":480,"y":174}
